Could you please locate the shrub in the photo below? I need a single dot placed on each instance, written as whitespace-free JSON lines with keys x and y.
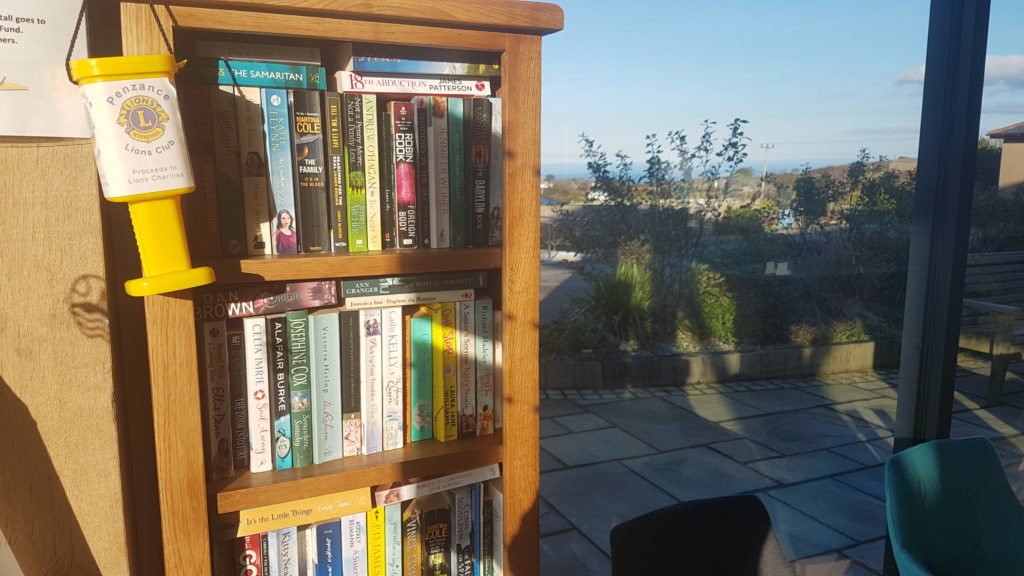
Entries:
{"x":618,"y":305}
{"x":745,"y":221}
{"x":708,"y":310}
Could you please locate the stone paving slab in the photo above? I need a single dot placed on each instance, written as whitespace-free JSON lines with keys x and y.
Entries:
{"x":551,"y":522}
{"x":850,"y":512}
{"x":597,"y":498}
{"x":870,"y":554}
{"x":841,"y":392}
{"x":553,"y":408}
{"x":684,"y":474}
{"x":779,"y":400}
{"x":977,"y":384}
{"x":801,"y":467}
{"x":1005,"y":420}
{"x":548,"y":427}
{"x":744,"y":450}
{"x":714,"y":407}
{"x":582,"y":422}
{"x":830,"y":565}
{"x":549,"y":462}
{"x":879,"y":412}
{"x":871,"y":481}
{"x":594,"y":446}
{"x":804,"y":431}
{"x":569,"y":553}
{"x":660,"y":424}
{"x":867,"y":453}
{"x":799,"y":534}
{"x":961,"y":428}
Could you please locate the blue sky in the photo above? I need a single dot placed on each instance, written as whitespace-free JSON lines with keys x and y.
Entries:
{"x":819,"y":80}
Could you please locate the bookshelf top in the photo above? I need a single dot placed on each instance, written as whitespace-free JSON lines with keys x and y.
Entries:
{"x":491,"y":15}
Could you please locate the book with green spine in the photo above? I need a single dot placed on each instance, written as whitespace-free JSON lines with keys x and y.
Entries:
{"x":421,"y":388}
{"x":298,"y":380}
{"x":355,"y":178}
{"x":457,"y":172}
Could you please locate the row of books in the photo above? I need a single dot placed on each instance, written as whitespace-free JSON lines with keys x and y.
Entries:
{"x":381,"y":162}
{"x":440,"y":527}
{"x":291,"y":379}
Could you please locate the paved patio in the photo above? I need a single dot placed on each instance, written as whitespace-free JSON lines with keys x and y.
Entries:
{"x":812,"y":449}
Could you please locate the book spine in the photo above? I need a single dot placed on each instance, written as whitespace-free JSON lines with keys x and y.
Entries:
{"x":329,"y":549}
{"x":486,"y":534}
{"x":479,"y":169}
{"x":284,"y":233}
{"x":407,"y":313}
{"x":299,"y":373}
{"x":258,"y":74}
{"x":229,"y":185}
{"x":355,"y":173}
{"x":499,"y":384}
{"x":494,"y":492}
{"x":271,"y":554}
{"x":476,"y":531}
{"x":457,"y":172}
{"x":416,"y":298}
{"x":410,"y":284}
{"x":376,"y":542}
{"x":421,"y":113}
{"x":310,"y":186}
{"x":372,"y":381}
{"x":371,"y":173}
{"x":204,"y":219}
{"x":253,"y":164}
{"x":391,"y":343}
{"x":467,"y":168}
{"x":293,"y":512}
{"x":440,"y":193}
{"x":368,"y":64}
{"x":388,"y":232}
{"x":352,"y":82}
{"x":462,"y":513}
{"x":437,"y":539}
{"x":258,"y":386}
{"x":325,"y":357}
{"x":351,"y":384}
{"x":497,"y":172}
{"x":393,"y":540}
{"x":249,"y":552}
{"x":421,"y":363}
{"x":257,"y":52}
{"x":239,"y":395}
{"x":445,"y":397}
{"x":277,"y":352}
{"x":412,"y":539}
{"x":217,"y":394}
{"x":465,"y":319}
{"x":353,"y":545}
{"x":484,"y":366}
{"x":403,"y":122}
{"x":307,"y":550}
{"x":257,"y":299}
{"x":335,"y":161}
{"x":288,"y":551}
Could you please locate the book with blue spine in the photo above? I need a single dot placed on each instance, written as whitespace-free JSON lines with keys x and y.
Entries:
{"x":328,"y":549}
{"x":457,"y":172}
{"x":391,"y":361}
{"x":229,"y":183}
{"x":393,"y":539}
{"x":299,"y":374}
{"x":249,"y":73}
{"x":353,"y":545}
{"x":325,"y":359}
{"x":484,"y":366}
{"x":357,"y":57}
{"x":277,"y":354}
{"x":281,"y":181}
{"x":372,"y":381}
{"x":421,"y":413}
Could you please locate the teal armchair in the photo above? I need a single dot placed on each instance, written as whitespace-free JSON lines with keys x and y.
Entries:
{"x":951,"y":511}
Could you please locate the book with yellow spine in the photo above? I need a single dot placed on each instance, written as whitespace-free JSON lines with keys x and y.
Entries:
{"x":375,"y":541}
{"x":445,"y":382}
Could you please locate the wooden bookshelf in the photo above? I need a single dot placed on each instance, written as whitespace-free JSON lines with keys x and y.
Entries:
{"x":189,"y":506}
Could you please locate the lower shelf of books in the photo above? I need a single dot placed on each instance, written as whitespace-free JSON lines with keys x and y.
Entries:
{"x":418,"y":459}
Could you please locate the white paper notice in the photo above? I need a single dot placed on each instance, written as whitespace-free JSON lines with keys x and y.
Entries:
{"x":36,"y":98}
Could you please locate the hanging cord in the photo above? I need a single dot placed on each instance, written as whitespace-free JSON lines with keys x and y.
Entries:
{"x":78,"y":26}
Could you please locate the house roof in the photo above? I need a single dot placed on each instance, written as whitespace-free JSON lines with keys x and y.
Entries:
{"x":1011,"y":131}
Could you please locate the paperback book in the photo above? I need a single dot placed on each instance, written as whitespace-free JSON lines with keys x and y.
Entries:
{"x":402,"y":84}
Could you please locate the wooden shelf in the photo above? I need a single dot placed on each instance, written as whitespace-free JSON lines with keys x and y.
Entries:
{"x":420,"y":459}
{"x":388,"y":263}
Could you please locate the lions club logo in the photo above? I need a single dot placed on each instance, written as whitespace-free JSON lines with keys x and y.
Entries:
{"x":142,"y":118}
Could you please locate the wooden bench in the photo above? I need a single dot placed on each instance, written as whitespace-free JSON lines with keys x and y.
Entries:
{"x":992,"y":321}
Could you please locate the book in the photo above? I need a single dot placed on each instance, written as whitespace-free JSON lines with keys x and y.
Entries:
{"x":417,"y":84}
{"x":386,"y":285}
{"x":355,"y":176}
{"x":445,"y":366}
{"x":372,"y":381}
{"x":476,"y":518}
{"x":389,"y":494}
{"x":415,"y":298}
{"x":499,"y":385}
{"x":404,"y":159}
{"x":335,"y":165}
{"x":229,"y":184}
{"x":460,"y":501}
{"x":484,"y":365}
{"x":239,"y":394}
{"x":258,"y":387}
{"x":371,"y":172}
{"x":386,"y":157}
{"x":299,"y":374}
{"x":440,"y":193}
{"x":497,"y":172}
{"x":217,"y":400}
{"x":260,"y":299}
{"x":265,"y":549}
{"x":421,"y":113}
{"x":478,"y":171}
{"x":307,"y":550}
{"x":376,"y":542}
{"x":325,"y":361}
{"x":391,"y":362}
{"x":437,"y":536}
{"x":248,"y":73}
{"x":351,"y":383}
{"x":487,"y":544}
{"x":412,"y":539}
{"x":357,"y":57}
{"x":494,"y":494}
{"x":353,"y":545}
{"x":271,"y":553}
{"x":329,"y":549}
{"x":253,"y":166}
{"x":204,"y":217}
{"x":228,"y":50}
{"x":457,"y":172}
{"x":310,"y":183}
{"x":249,"y":552}
{"x":288,"y":551}
{"x":298,"y":512}
{"x":393,"y":540}
{"x":421,"y":376}
{"x":277,"y":356}
{"x":465,"y":323}
{"x":280,"y":171}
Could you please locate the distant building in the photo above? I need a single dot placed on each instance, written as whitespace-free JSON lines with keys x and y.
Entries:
{"x":1011,"y":166}
{"x":902,"y":163}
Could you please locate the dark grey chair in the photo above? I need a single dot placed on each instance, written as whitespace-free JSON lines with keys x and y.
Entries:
{"x":730,"y":536}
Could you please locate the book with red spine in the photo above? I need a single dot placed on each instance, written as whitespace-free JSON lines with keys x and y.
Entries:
{"x":249,"y":554}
